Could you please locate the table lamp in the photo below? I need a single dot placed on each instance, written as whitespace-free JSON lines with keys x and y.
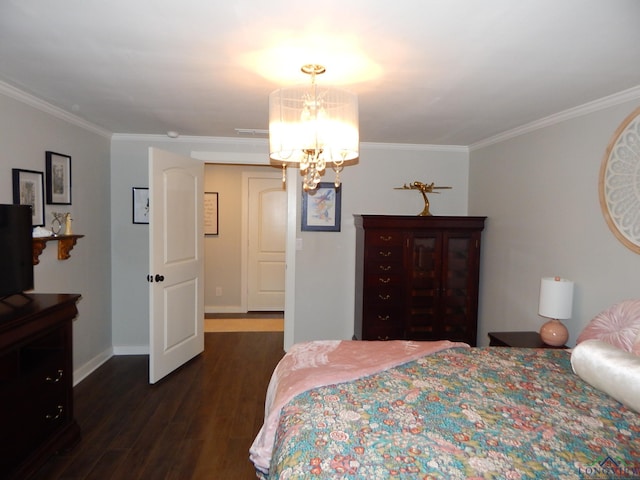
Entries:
{"x":556,"y":302}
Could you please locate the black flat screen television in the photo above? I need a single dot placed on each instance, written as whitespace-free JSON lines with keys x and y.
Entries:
{"x":16,"y":249}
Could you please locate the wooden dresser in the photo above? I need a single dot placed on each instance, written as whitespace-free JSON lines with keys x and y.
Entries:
{"x":36,"y":384}
{"x":417,"y":277}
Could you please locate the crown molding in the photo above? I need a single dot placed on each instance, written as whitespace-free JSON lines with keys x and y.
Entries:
{"x":35,"y":102}
{"x":594,"y":106}
{"x":227,"y":141}
{"x":264,"y":142}
{"x":414,"y":147}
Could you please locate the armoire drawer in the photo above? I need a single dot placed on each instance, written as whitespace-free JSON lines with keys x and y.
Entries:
{"x":384,"y":237}
{"x":384,"y":295}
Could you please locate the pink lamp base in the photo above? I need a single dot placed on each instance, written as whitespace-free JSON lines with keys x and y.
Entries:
{"x":554,"y":333}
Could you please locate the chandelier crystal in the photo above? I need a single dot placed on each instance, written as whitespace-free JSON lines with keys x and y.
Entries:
{"x":312,"y":126}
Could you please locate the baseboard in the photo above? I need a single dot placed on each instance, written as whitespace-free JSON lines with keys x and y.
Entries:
{"x":228,"y":309}
{"x":92,"y":365}
{"x":131,"y":350}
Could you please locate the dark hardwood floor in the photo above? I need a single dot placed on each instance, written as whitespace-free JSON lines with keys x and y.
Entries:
{"x":197,"y":423}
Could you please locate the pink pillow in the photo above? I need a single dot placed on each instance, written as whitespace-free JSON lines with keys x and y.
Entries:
{"x":619,"y":326}
{"x":636,"y":345}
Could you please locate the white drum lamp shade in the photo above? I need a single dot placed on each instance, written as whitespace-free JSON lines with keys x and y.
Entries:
{"x":313,"y":127}
{"x":556,"y":303}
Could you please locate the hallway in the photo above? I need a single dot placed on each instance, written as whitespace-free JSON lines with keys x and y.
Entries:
{"x":244,"y":322}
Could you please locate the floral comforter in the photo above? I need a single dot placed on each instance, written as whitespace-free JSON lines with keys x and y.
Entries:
{"x":460,"y":413}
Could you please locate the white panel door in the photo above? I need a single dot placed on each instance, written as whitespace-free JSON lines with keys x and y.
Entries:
{"x":267,"y":231}
{"x":176,"y":293}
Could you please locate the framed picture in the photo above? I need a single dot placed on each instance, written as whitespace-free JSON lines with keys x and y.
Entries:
{"x":140,"y":205}
{"x":211,"y":213}
{"x":321,"y":208}
{"x":58,"y":178}
{"x":28,"y":189}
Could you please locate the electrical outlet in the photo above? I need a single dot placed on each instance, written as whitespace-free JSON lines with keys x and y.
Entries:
{"x":218,"y":291}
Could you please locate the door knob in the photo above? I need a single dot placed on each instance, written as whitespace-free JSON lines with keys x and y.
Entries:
{"x":159,"y":278}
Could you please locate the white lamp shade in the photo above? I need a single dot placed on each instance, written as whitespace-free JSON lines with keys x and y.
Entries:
{"x":556,"y":298}
{"x":313,"y":118}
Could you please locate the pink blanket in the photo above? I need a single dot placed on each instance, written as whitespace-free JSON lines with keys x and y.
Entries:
{"x":320,"y":363}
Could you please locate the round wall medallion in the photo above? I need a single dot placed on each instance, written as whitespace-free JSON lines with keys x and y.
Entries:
{"x":619,"y":183}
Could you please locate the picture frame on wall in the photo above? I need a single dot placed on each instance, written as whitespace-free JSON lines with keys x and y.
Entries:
{"x":321,"y":208}
{"x":211,"y":213}
{"x":28,"y":189}
{"x":140,"y":205}
{"x":58,"y":168}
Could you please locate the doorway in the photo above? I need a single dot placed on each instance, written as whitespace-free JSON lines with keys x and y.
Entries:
{"x":229,"y":263}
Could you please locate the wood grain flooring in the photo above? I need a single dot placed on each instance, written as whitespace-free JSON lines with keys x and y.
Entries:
{"x":244,"y":322}
{"x":197,"y":423}
{"x":244,"y":325}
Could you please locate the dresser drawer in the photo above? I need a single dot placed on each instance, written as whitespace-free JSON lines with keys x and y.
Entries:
{"x":382,"y":332}
{"x":385,"y":267}
{"x":34,"y":408}
{"x":383,"y":280}
{"x":382,"y":322}
{"x":384,"y":237}
{"x":383,"y":295}
{"x":383,"y":316}
{"x":384,"y":254}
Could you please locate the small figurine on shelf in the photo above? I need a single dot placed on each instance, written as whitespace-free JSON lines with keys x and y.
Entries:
{"x":68,"y":220}
{"x":56,"y":223}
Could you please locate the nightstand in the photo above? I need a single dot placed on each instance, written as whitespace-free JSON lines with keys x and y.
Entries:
{"x":518,"y":339}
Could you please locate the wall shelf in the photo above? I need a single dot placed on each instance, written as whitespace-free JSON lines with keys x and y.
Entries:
{"x":65,"y":245}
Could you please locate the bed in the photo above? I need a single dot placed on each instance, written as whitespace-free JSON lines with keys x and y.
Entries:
{"x":405,"y":410}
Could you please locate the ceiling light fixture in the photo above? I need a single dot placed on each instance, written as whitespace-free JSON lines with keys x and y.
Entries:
{"x":311,"y":127}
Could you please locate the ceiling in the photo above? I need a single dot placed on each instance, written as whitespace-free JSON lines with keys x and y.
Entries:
{"x":443,"y":72}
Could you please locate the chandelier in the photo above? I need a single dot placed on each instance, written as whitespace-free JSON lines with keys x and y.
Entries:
{"x":312,"y":126}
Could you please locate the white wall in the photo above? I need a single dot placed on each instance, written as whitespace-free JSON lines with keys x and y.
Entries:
{"x":324,"y":268}
{"x":540,"y":193}
{"x":26,"y":132}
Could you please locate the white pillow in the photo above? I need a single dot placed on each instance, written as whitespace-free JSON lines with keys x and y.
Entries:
{"x":610,"y":369}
